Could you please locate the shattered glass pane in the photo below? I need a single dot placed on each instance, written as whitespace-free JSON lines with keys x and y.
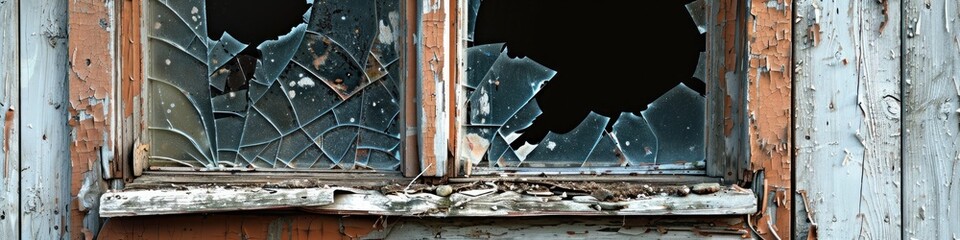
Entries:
{"x":321,"y":96}
{"x":568,"y":149}
{"x":473,"y":9}
{"x":480,"y":59}
{"x":510,"y":83}
{"x":697,"y":10}
{"x":605,"y":154}
{"x":677,"y":120}
{"x":635,"y":139}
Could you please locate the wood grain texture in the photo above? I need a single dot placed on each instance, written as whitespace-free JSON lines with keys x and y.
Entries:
{"x":45,"y":136}
{"x":10,"y":106}
{"x":92,"y":97}
{"x":727,"y":149}
{"x":434,"y":66}
{"x":931,"y":150}
{"x":130,"y":81}
{"x":209,"y":199}
{"x":769,"y":97}
{"x":258,"y":225}
{"x":848,"y":118}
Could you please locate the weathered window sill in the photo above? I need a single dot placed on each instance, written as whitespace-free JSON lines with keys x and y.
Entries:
{"x":485,"y":202}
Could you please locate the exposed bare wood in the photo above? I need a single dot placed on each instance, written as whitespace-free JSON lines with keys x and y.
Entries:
{"x":130,"y":80}
{"x":411,"y":154}
{"x":434,"y":66}
{"x":769,"y":95}
{"x":371,"y":202}
{"x":846,"y":136}
{"x":210,"y":199}
{"x":10,"y":106}
{"x":726,"y":146}
{"x":45,"y":136}
{"x":931,"y":100}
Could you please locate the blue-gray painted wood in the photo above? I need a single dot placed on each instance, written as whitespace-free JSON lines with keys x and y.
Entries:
{"x":45,"y":135}
{"x":931,"y":105}
{"x":9,"y":106}
{"x":848,"y":119}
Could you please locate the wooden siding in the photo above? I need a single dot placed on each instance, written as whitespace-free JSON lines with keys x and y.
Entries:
{"x":10,"y":100}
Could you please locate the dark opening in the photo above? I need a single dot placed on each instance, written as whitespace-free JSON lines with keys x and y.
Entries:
{"x":592,"y":74}
{"x":252,"y":22}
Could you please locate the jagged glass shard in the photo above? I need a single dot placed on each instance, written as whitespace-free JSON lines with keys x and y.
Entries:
{"x":257,"y":130}
{"x":384,"y":48}
{"x":379,"y":108}
{"x":292,"y":145}
{"x":219,"y":78}
{"x":510,"y":83}
{"x":392,"y":82}
{"x":350,"y":23}
{"x":697,"y":10}
{"x":308,"y":157}
{"x":676,"y":118}
{"x":256,"y":90}
{"x":324,"y":162}
{"x":363,"y":155}
{"x":349,"y":159}
{"x":349,"y":111}
{"x":521,"y":120}
{"x":275,"y":107}
{"x":222,"y":51}
{"x":233,"y":102}
{"x":477,"y":142}
{"x":249,"y":154}
{"x":309,"y":97}
{"x":499,"y":147}
{"x":331,"y":64}
{"x":336,"y":142}
{"x":381,"y":160}
{"x":174,"y":112}
{"x":568,"y":149}
{"x":228,"y":134}
{"x":479,"y":60}
{"x":316,"y":128}
{"x":605,"y":154}
{"x":700,"y":73}
{"x":635,"y":138}
{"x":175,"y":150}
{"x":473,"y":9}
{"x":278,"y":53}
{"x":166,"y":25}
{"x":269,"y":155}
{"x":509,"y":159}
{"x":369,"y":139}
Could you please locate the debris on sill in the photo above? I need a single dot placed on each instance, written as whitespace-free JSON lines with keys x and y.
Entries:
{"x":556,"y":191}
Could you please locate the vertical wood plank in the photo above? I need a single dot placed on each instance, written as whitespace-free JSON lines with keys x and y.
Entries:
{"x":45,"y":136}
{"x":131,"y":78}
{"x":769,"y":94}
{"x":726,"y":121}
{"x":435,"y":66}
{"x":848,"y":118}
{"x":9,"y":104}
{"x":92,"y":97}
{"x":411,"y":150}
{"x":931,"y":97}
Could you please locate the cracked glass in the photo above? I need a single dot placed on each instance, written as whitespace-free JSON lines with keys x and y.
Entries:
{"x":324,"y":95}
{"x":501,"y":104}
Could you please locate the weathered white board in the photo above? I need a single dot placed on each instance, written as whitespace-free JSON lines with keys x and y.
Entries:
{"x":931,"y":136}
{"x":848,"y":119}
{"x":44,"y":133}
{"x":9,"y":106}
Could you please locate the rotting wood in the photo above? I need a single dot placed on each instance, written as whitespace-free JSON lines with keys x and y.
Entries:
{"x":9,"y":104}
{"x":931,"y":98}
{"x":44,"y":134}
{"x":130,"y":82}
{"x":727,"y":151}
{"x":434,"y":67}
{"x":846,"y":136}
{"x":92,"y":89}
{"x":210,"y":199}
{"x":769,"y":95}
{"x":470,"y":199}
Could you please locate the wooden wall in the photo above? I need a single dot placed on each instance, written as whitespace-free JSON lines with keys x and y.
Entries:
{"x":35,"y":193}
{"x":877,"y":119}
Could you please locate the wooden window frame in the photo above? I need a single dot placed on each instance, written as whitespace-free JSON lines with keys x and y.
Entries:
{"x":106,"y":130}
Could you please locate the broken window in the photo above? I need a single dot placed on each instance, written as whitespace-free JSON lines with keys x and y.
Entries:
{"x":291,"y":84}
{"x":540,"y":94}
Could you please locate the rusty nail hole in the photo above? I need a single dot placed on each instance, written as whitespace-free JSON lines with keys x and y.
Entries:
{"x":44,"y":137}
{"x":806,"y":137}
{"x":729,"y":173}
{"x":55,"y":227}
{"x":88,"y":62}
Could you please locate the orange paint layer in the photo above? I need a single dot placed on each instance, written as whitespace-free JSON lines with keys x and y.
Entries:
{"x":238,"y":226}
